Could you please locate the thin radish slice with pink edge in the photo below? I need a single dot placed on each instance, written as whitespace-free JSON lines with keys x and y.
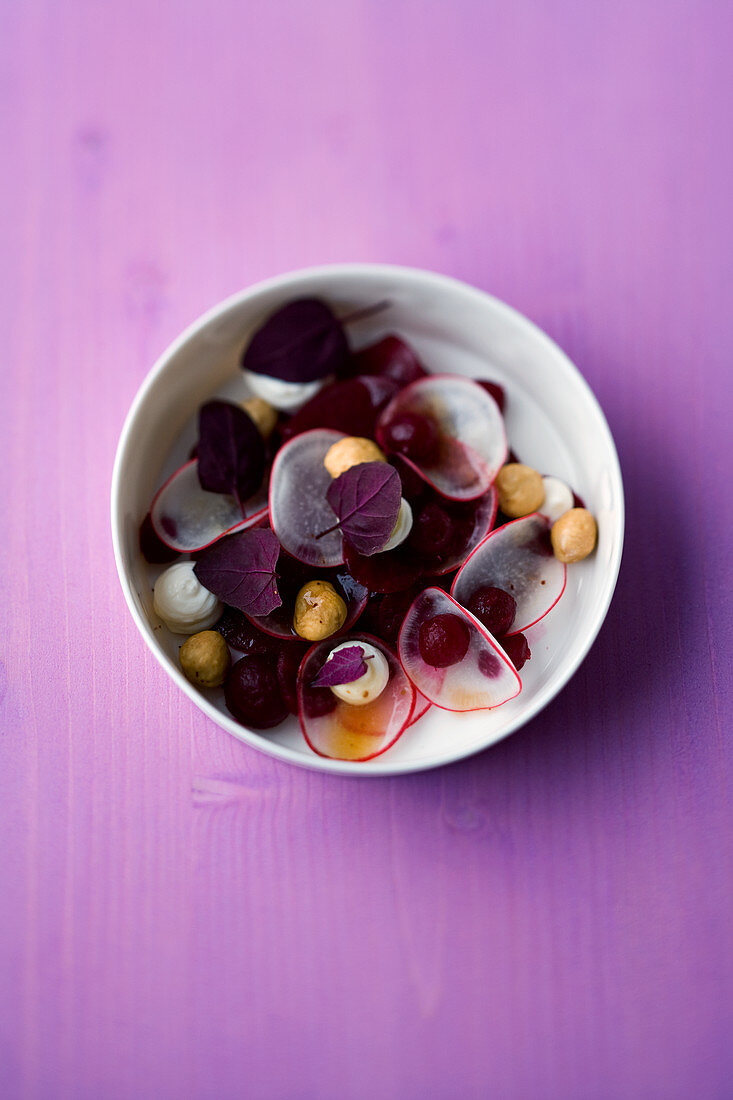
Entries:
{"x":450,"y":430}
{"x":342,"y":731}
{"x":299,"y":511}
{"x":517,"y":558}
{"x":422,"y":706}
{"x":188,"y":518}
{"x":475,"y":673}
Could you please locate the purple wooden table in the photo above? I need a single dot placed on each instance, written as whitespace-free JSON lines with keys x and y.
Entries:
{"x":182,"y":917}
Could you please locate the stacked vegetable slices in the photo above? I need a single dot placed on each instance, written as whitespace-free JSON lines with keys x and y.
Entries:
{"x":265,"y":516}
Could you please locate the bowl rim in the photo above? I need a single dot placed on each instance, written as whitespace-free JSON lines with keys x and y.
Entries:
{"x":379,"y":766}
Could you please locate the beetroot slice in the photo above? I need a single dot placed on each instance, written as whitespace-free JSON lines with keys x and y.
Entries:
{"x":468,"y":523}
{"x":483,"y":679}
{"x":299,"y":510}
{"x":471,"y":441}
{"x":187,"y":518}
{"x":342,"y":731}
{"x":390,"y":357}
{"x":517,"y":558}
{"x":351,"y":406}
{"x":390,"y":571}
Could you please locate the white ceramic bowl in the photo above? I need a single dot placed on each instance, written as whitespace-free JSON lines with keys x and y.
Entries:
{"x":553,"y":420}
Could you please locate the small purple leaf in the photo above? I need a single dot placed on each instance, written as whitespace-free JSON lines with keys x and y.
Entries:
{"x":344,"y":667}
{"x":366,"y":500}
{"x":231,"y":451}
{"x":240,"y":570}
{"x":301,"y":342}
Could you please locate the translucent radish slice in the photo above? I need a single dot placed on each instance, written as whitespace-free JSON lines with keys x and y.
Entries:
{"x":518,"y":558}
{"x":483,"y":678}
{"x":422,"y":706}
{"x":187,"y":518}
{"x":341,"y":730}
{"x":299,"y":511}
{"x":279,"y":623}
{"x":469,"y":445}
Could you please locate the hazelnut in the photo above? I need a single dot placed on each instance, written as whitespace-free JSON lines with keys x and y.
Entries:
{"x":262,"y":414}
{"x":205,"y":659}
{"x":319,"y":611}
{"x":574,"y":535}
{"x":520,"y":489}
{"x":351,"y":451}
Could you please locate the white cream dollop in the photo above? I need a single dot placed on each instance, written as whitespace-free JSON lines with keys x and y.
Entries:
{"x":558,"y":498}
{"x":286,"y":396}
{"x":369,"y":686}
{"x":182,"y":602}
{"x":402,"y":527}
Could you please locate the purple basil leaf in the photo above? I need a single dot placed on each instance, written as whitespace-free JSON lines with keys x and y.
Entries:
{"x":231,"y":451}
{"x":240,"y":570}
{"x":343,"y":668}
{"x":301,"y":342}
{"x":366,"y":500}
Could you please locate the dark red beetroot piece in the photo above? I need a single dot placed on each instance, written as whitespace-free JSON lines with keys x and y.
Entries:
{"x":444,"y":532}
{"x":351,"y":407}
{"x":153,"y":549}
{"x":517,"y":558}
{"x":390,"y":571}
{"x":482,"y":678}
{"x":517,"y":649}
{"x":342,"y":731}
{"x":390,"y":357}
{"x":495,"y":608}
{"x":288,"y":663}
{"x":450,"y":431}
{"x":238,"y":632}
{"x":443,"y":640}
{"x":495,"y":390}
{"x":187,"y":518}
{"x":252,"y":692}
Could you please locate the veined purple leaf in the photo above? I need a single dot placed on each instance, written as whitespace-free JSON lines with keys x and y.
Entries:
{"x":366,"y":500}
{"x":301,"y":342}
{"x":231,"y":451}
{"x":344,"y":667}
{"x":240,"y":570}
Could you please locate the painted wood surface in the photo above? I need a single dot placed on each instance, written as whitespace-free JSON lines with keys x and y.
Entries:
{"x":182,"y":917}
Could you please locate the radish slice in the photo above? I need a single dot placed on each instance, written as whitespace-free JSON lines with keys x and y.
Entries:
{"x":483,"y":678}
{"x":342,"y":731}
{"x":518,"y":558}
{"x":187,"y":518}
{"x":299,"y":510}
{"x":471,"y":442}
{"x":422,"y":706}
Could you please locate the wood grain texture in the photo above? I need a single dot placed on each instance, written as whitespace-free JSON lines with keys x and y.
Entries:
{"x":182,"y":917}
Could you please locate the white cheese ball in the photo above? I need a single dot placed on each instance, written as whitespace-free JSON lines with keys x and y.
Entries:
{"x":558,"y":498}
{"x":369,"y":686}
{"x":182,"y":602}
{"x":286,"y":396}
{"x":402,"y":527}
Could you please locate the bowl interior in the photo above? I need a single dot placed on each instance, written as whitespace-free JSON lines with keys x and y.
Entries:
{"x":553,"y":422}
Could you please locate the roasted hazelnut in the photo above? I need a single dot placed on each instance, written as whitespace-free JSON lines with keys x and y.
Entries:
{"x":205,"y":659}
{"x":353,"y":450}
{"x":520,"y":489}
{"x":319,"y":611}
{"x":262,"y":414}
{"x":574,"y":535}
